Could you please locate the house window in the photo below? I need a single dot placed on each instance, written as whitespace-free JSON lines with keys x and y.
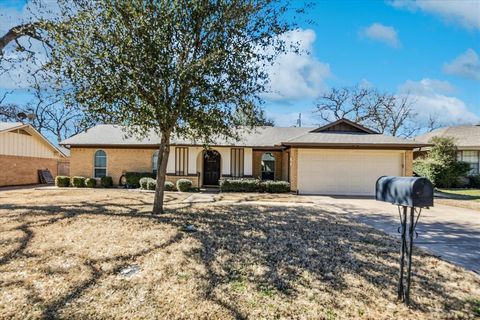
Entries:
{"x":268,"y":166}
{"x":181,"y":161}
{"x":155,"y":162}
{"x":471,"y":157}
{"x":236,"y":162}
{"x":100,"y":164}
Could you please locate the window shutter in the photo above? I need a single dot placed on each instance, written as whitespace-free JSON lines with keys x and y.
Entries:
{"x":237,"y":162}
{"x":181,"y":161}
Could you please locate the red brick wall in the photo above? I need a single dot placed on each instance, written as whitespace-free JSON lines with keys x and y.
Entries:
{"x":16,"y":170}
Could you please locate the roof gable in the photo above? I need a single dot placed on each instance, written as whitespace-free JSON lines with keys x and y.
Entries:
{"x":344,"y":126}
{"x":22,"y":128}
{"x":7,"y":126}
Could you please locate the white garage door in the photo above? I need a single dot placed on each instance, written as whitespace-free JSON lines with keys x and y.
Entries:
{"x":345,"y":172}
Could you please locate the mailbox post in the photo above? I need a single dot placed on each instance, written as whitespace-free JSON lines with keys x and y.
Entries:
{"x":410,"y":194}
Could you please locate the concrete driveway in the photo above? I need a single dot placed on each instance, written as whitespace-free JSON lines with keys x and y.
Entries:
{"x":451,"y":233}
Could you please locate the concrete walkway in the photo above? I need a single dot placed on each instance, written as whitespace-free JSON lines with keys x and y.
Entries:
{"x":451,"y":233}
{"x":24,"y":187}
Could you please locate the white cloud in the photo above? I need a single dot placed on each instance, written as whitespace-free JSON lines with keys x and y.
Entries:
{"x":296,"y":76}
{"x":433,"y":97}
{"x":466,"y":65}
{"x":463,"y":12}
{"x":382,"y":33}
{"x":365,"y":84}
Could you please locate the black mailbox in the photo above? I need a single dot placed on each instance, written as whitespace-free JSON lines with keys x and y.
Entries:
{"x":405,"y":191}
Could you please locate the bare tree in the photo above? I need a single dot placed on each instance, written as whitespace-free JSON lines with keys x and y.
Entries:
{"x":433,"y":123}
{"x":333,"y":105}
{"x":46,"y":113}
{"x":394,"y":115}
{"x":64,"y":122}
{"x":8,"y":111}
{"x":383,"y":112}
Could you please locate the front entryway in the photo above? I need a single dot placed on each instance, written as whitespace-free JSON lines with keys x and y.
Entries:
{"x":211,"y":168}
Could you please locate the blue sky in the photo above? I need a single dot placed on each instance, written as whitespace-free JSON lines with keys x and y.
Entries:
{"x":395,"y":46}
{"x":430,"y":49}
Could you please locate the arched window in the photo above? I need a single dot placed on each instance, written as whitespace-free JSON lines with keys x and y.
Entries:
{"x":268,"y":166}
{"x":155,"y":162}
{"x":100,"y":164}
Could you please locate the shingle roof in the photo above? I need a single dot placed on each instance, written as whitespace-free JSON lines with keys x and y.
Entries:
{"x":349,"y":139}
{"x":465,"y":136}
{"x":64,"y":150}
{"x":9,"y":125}
{"x":113,"y":135}
{"x":116,"y":135}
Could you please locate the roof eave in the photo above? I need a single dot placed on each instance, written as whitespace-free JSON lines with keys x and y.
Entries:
{"x":356,"y":145}
{"x":21,"y":126}
{"x":126,"y":145}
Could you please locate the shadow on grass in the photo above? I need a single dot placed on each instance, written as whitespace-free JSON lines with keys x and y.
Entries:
{"x":271,"y":250}
{"x":457,"y":194}
{"x":51,"y":308}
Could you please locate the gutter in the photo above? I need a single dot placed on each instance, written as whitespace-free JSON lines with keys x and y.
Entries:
{"x":155,"y":146}
{"x":354,"y":145}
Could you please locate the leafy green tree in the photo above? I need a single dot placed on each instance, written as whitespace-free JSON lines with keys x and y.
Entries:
{"x":440,"y":165}
{"x":181,"y":68}
{"x":251,"y":115}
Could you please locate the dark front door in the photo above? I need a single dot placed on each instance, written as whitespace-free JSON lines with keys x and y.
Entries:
{"x":211,"y":168}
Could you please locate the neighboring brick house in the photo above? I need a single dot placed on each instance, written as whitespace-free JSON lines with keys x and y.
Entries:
{"x":466,"y":138}
{"x":23,"y":151}
{"x":340,"y":158}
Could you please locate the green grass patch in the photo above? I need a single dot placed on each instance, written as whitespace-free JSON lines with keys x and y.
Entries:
{"x":330,"y":314}
{"x":239,"y":284}
{"x":267,"y":292}
{"x":465,"y":194}
{"x":183,"y":276}
{"x":475,"y":306}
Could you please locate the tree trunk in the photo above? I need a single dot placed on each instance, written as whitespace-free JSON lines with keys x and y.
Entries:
{"x":163,"y":152}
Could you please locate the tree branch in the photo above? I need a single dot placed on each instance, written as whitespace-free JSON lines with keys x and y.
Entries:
{"x":28,"y":29}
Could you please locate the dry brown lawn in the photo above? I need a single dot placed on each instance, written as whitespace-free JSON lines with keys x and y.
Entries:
{"x":64,"y":252}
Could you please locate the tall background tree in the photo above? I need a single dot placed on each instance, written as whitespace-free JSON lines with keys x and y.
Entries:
{"x":384,"y":112}
{"x":185,"y":68}
{"x":25,"y":51}
{"x":47,"y":113}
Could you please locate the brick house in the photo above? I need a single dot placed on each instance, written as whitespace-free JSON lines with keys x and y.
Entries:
{"x":466,"y":138}
{"x":339,"y":158}
{"x":23,"y":151}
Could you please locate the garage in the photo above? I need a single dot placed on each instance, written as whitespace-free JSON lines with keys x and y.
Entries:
{"x":346,"y":171}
